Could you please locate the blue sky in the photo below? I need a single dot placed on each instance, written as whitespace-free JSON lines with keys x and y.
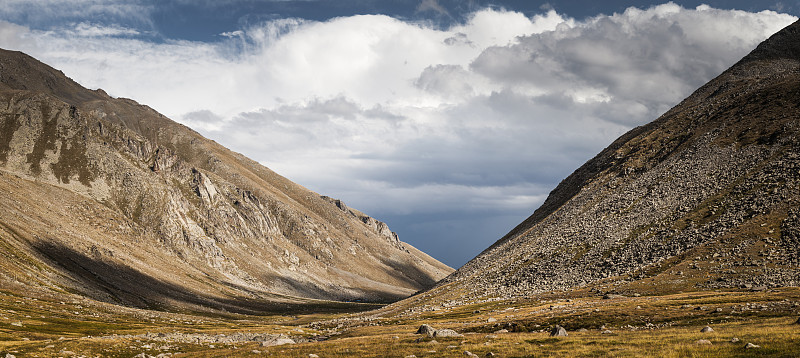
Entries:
{"x":449,"y":120}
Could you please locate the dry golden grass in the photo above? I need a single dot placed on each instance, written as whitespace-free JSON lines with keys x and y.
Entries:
{"x":651,"y":326}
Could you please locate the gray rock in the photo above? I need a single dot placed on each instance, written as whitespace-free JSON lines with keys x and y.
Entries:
{"x":751,"y":346}
{"x":734,"y":340}
{"x":703,"y":342}
{"x":706,"y":329}
{"x":606,"y":332}
{"x":277,"y":341}
{"x":470,"y":354}
{"x":558,"y":331}
{"x":447,"y":333}
{"x":426,"y":330}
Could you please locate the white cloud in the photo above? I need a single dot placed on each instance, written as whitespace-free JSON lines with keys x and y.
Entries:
{"x":432,"y":5}
{"x":46,"y":13}
{"x":13,"y":36}
{"x":398,"y":117}
{"x":86,"y":29}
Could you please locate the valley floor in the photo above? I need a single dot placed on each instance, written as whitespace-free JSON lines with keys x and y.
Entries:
{"x":598,"y":326}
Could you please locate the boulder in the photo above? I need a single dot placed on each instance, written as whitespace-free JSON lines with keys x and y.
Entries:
{"x":427,"y":330}
{"x":447,"y":333}
{"x":558,"y":331}
{"x":277,"y":341}
{"x":706,"y":329}
{"x":751,"y":346}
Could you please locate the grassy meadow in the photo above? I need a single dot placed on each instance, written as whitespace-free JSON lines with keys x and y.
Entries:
{"x":662,"y":326}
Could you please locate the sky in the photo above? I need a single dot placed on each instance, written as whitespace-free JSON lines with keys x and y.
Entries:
{"x":449,"y":120}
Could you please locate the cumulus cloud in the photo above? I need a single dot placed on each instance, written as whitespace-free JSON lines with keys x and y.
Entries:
{"x":406,"y":121}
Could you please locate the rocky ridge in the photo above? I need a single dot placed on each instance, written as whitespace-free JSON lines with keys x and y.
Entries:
{"x":706,"y":196}
{"x":109,"y":198}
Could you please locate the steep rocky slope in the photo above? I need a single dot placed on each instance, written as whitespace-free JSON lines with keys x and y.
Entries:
{"x":110,"y":199}
{"x":706,"y":196}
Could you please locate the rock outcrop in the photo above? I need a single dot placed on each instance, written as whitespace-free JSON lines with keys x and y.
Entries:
{"x":109,"y":198}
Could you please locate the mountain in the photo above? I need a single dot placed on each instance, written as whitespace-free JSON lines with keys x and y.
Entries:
{"x":107,"y":198}
{"x":707,"y":196}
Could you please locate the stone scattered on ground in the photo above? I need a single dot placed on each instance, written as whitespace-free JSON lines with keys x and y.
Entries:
{"x":703,"y":342}
{"x":558,"y":331}
{"x":277,"y":341}
{"x":426,"y":330}
{"x":707,"y":329}
{"x":447,"y":333}
{"x":734,"y":340}
{"x":266,"y":339}
{"x":501,"y":331}
{"x":491,"y":319}
{"x":490,"y":354}
{"x":312,"y":355}
{"x":470,"y":354}
{"x":751,"y":346}
{"x":607,"y":332}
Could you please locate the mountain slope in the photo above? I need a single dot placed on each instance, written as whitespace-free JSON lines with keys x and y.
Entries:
{"x":108,"y":198}
{"x":706,"y":196}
